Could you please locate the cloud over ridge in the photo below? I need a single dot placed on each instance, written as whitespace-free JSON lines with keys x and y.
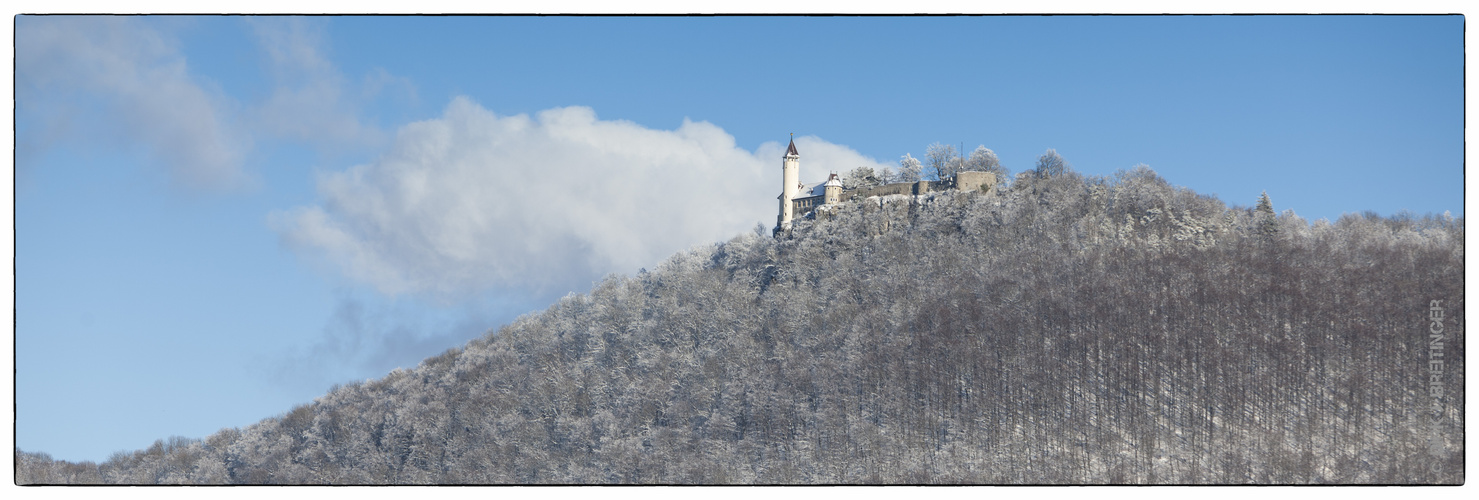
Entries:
{"x":473,"y":201}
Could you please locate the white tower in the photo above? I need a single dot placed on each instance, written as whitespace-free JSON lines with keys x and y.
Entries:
{"x":790,"y":184}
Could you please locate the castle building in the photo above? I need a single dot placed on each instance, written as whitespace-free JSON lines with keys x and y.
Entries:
{"x":799,"y":200}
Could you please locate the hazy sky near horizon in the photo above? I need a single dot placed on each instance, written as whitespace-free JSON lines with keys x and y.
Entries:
{"x":217,"y":218}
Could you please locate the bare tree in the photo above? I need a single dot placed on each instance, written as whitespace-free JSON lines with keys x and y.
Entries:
{"x":887,"y":176}
{"x":1050,"y":164}
{"x":941,"y":161}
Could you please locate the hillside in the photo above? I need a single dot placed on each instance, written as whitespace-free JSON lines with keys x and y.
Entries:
{"x":1064,"y":330}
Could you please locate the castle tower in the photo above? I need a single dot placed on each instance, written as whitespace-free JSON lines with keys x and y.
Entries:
{"x":832,"y":191}
{"x":790,"y":184}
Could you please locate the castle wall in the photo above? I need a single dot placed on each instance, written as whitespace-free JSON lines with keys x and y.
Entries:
{"x":964,"y":181}
{"x":975,"y":181}
{"x":884,"y":190}
{"x":912,"y":188}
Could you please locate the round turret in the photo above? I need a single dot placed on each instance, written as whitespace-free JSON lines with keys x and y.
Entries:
{"x":832,"y":190}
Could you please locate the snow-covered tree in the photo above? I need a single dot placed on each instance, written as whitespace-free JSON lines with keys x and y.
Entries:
{"x":1050,"y":164}
{"x":1268,"y":221}
{"x":985,"y":160}
{"x":860,"y":177}
{"x":1265,"y":205}
{"x":910,"y":170}
{"x":887,"y":176}
{"x":941,"y":161}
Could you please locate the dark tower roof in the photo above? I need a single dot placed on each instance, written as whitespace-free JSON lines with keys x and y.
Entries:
{"x":791,"y":150}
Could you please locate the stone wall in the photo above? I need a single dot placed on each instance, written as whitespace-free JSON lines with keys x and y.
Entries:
{"x":920,"y":187}
{"x":975,"y":181}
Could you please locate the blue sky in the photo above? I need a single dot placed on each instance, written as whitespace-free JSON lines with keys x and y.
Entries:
{"x":217,"y":218}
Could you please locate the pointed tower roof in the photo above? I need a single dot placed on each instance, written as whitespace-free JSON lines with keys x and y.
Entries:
{"x":791,"y":150}
{"x":833,"y":181}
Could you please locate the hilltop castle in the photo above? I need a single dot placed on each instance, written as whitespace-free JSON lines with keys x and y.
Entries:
{"x":798,"y":200}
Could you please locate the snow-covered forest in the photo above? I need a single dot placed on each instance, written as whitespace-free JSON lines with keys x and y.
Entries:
{"x":1063,"y":329}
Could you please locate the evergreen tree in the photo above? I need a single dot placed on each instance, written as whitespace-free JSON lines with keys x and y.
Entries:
{"x":1268,"y":222}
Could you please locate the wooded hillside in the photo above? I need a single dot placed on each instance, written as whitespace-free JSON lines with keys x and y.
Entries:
{"x":1062,"y":330}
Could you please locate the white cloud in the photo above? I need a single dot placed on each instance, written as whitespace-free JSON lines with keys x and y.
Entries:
{"x":86,"y":81}
{"x":472,"y":201}
{"x":77,"y":75}
{"x":312,"y":101}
